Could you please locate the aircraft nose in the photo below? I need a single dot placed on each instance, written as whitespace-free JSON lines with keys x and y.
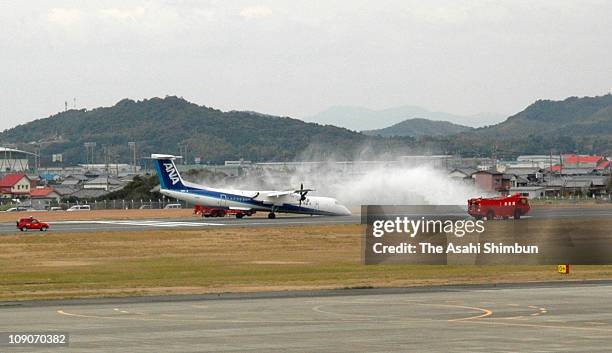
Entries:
{"x":344,"y":211}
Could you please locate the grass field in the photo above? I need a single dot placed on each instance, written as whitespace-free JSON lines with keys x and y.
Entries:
{"x":97,"y":215}
{"x":223,"y":260}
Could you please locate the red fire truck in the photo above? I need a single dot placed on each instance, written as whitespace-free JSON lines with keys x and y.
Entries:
{"x":499,"y":207}
{"x":220,"y":212}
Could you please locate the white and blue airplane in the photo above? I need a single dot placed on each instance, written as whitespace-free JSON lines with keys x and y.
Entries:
{"x":243,"y":201}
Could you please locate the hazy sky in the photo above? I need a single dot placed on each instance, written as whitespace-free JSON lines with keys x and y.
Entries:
{"x":297,"y":58}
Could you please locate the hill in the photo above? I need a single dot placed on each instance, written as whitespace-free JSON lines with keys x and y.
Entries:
{"x":419,"y":127}
{"x":160,"y":125}
{"x":359,"y":118}
{"x":573,"y":116}
{"x":582,"y":125}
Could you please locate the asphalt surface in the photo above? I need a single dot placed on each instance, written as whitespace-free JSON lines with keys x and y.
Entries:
{"x":187,"y":223}
{"x":290,"y":220}
{"x":529,"y":317}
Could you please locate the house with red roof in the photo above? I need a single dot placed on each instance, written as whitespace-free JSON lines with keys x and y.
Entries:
{"x":42,"y":197}
{"x":15,"y":185}
{"x":572,"y":163}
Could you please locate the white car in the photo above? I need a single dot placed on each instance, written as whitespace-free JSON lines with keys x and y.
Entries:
{"x":16,"y":209}
{"x":79,"y":208}
{"x":173,"y":205}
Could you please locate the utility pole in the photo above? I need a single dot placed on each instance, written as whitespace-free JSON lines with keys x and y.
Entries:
{"x":183,"y":152}
{"x":89,"y":149}
{"x":550,"y":163}
{"x":550,"y":170}
{"x":132,"y":146}
{"x":36,"y":158}
{"x":106,"y":164}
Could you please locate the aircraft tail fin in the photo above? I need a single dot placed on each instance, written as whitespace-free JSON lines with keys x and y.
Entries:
{"x":168,"y":174}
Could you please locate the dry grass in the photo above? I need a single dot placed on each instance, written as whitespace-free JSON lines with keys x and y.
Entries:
{"x":221,"y":260}
{"x":97,"y":215}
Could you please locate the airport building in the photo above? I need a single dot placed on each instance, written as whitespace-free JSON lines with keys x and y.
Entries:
{"x":14,"y":160}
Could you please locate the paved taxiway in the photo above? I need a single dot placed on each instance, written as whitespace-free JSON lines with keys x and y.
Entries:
{"x":529,"y":317}
{"x":187,"y":223}
{"x":291,"y":220}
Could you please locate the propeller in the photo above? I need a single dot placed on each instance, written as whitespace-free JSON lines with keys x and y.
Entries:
{"x":302,"y":193}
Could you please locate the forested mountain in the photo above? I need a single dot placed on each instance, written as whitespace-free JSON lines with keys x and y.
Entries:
{"x":572,"y":117}
{"x":419,"y":127}
{"x":159,"y":125}
{"x":582,"y":125}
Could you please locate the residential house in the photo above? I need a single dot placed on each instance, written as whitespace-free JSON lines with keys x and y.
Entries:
{"x":42,"y":197}
{"x":15,"y":185}
{"x":533,"y":175}
{"x":462,"y":173}
{"x":576,"y":185}
{"x":529,"y":191}
{"x":573,"y":164}
{"x":492,"y":181}
{"x":103,"y":183}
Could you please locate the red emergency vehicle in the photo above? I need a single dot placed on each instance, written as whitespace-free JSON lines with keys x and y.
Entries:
{"x":220,"y":212}
{"x":31,"y":223}
{"x":504,"y":206}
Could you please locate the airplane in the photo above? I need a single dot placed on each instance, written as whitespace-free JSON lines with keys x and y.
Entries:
{"x":284,"y":201}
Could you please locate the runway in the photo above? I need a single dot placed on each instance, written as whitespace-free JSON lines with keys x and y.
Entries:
{"x":528,"y":317}
{"x":187,"y":223}
{"x":283,"y":221}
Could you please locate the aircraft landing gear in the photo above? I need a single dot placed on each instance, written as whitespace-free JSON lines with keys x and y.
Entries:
{"x":271,"y":215}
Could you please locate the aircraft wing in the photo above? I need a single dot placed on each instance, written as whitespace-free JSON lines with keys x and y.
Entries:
{"x":279,"y":193}
{"x":275,"y":197}
{"x":280,"y":197}
{"x":287,"y":192}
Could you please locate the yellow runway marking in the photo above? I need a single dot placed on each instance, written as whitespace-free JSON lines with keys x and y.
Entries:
{"x":62,"y":312}
{"x":123,"y":317}
{"x":485,"y":313}
{"x":492,"y":322}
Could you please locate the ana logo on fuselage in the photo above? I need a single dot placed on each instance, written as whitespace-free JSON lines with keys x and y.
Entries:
{"x":172,"y":173}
